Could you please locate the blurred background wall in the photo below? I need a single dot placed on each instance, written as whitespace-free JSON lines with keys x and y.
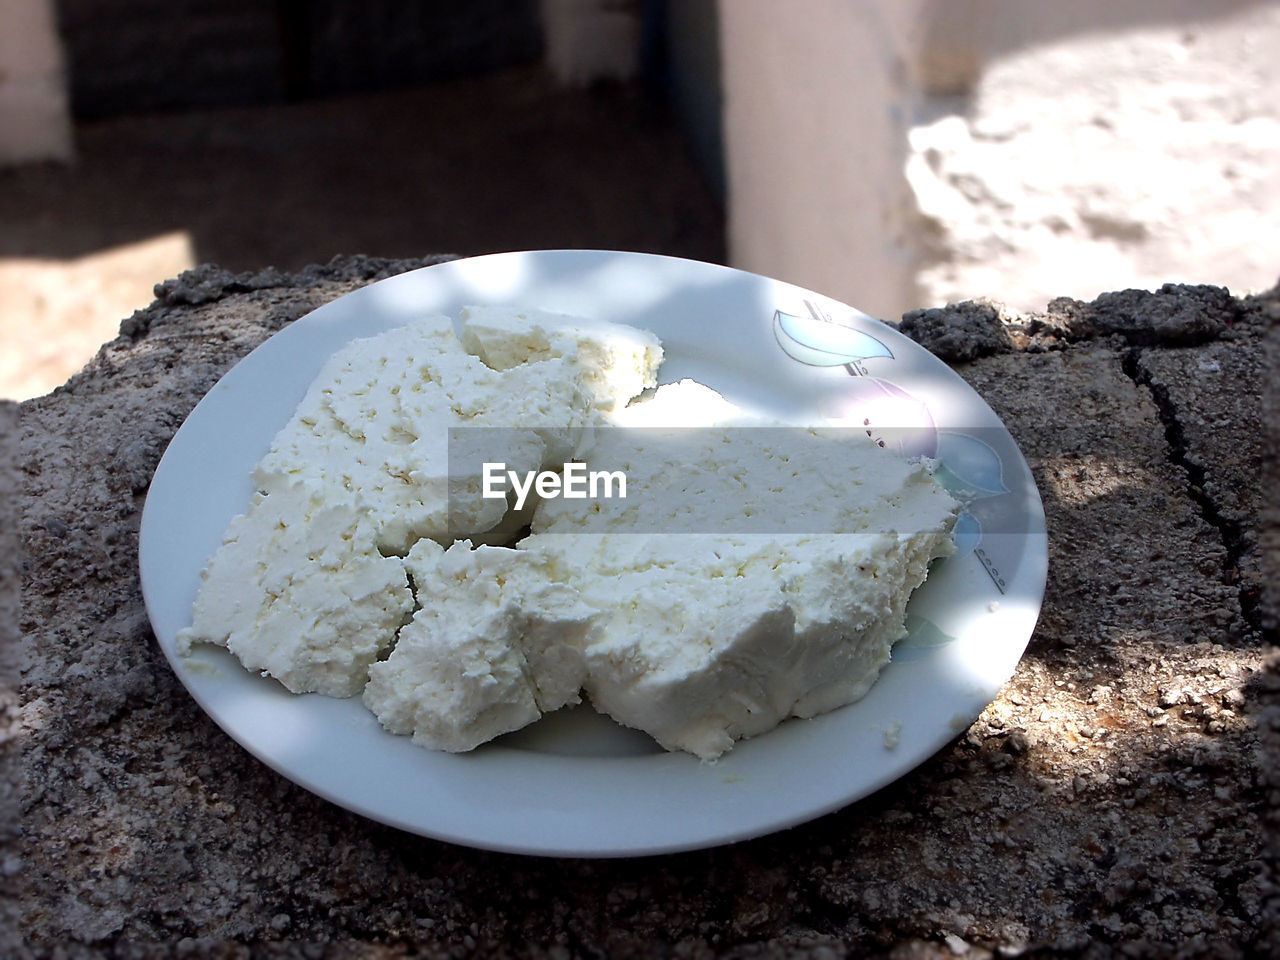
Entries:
{"x":899,"y":153}
{"x":283,"y":132}
{"x":132,"y":56}
{"x":891,"y":153}
{"x":35,"y":119}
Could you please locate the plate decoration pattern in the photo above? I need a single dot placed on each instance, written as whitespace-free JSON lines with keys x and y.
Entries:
{"x":967,"y":466}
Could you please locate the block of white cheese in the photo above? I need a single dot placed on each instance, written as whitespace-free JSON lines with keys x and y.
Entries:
{"x":752,"y":573}
{"x":368,"y":461}
{"x":743,"y":475}
{"x":401,"y":416}
{"x":376,"y":421}
{"x":617,"y":362}
{"x":705,"y":640}
{"x":494,"y":644}
{"x":710,"y":632}
{"x":299,"y":591}
{"x":684,"y":403}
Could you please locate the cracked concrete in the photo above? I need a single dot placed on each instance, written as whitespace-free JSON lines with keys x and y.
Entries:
{"x":1219,"y":450}
{"x":1117,"y":796}
{"x":1199,"y":351}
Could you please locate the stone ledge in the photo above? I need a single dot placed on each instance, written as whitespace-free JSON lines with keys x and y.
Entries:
{"x":1115,"y":796}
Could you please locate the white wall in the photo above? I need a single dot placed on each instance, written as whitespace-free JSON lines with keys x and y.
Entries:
{"x":815,"y":96}
{"x":35,"y":121}
{"x":902,"y":153}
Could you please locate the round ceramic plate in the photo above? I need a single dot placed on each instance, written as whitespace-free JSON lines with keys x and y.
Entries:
{"x":575,"y":784}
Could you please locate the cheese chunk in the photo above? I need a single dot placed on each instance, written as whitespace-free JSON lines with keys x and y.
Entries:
{"x":747,"y":475}
{"x":753,"y":571}
{"x":751,"y":574}
{"x":377,"y":420}
{"x":494,"y":645}
{"x":617,"y":362}
{"x":457,"y":676}
{"x":299,"y":591}
{"x":402,"y":417}
{"x":685,"y":403}
{"x":383,"y":451}
{"x":705,"y":640}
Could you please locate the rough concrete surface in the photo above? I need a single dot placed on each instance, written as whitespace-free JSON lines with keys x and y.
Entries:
{"x":1115,"y":799}
{"x":10,"y":756}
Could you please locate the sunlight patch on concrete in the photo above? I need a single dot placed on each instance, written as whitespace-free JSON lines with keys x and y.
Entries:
{"x":55,"y":314}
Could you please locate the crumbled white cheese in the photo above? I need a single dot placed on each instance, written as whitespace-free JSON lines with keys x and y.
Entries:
{"x":708,"y":637}
{"x":750,"y":478}
{"x":392,"y":416}
{"x":704,"y":640}
{"x":494,"y":645}
{"x":700,"y":629}
{"x":617,"y":362}
{"x":299,"y":591}
{"x":892,"y":734}
{"x":457,"y":676}
{"x":302,"y":588}
{"x":377,"y":422}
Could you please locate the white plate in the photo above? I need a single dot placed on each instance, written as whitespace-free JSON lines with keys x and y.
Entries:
{"x":576,"y":784}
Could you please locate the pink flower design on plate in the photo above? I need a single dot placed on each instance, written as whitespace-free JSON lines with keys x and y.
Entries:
{"x":897,"y":420}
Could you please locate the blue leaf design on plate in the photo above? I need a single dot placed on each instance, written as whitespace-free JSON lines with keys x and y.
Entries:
{"x":820,"y":343}
{"x":970,"y":468}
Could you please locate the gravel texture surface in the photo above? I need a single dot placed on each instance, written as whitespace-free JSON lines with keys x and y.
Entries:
{"x":1119,"y":797}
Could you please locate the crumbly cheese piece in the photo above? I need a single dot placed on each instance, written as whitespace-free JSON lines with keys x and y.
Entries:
{"x":377,"y":421}
{"x":617,"y":362}
{"x":684,"y":403}
{"x":299,"y":591}
{"x":747,"y":475}
{"x":494,"y":645}
{"x":457,"y":676}
{"x":398,"y":417}
{"x":705,"y":640}
{"x":709,"y":633}
{"x":367,"y":466}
